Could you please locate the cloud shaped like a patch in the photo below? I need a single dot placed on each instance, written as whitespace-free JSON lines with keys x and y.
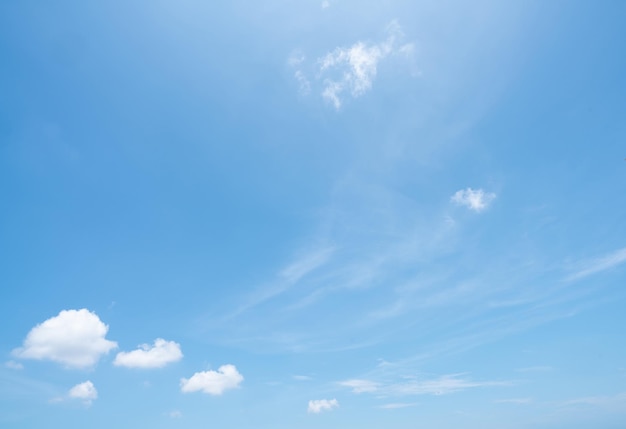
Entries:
{"x":213,"y":382}
{"x":157,"y":356}
{"x":474,"y":199}
{"x":74,"y":338}
{"x":319,"y":405}
{"x":85,"y":391}
{"x":351,"y":70}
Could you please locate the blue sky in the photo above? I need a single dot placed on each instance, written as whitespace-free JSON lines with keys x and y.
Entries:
{"x":313,"y":214}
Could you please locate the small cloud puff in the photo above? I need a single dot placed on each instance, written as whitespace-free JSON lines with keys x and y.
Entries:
{"x":74,"y":338}
{"x":319,"y":405}
{"x":85,"y":391}
{"x":477,"y":200}
{"x":157,"y":356}
{"x":213,"y":382}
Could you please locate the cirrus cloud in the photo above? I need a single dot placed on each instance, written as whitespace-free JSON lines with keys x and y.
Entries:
{"x":74,"y":338}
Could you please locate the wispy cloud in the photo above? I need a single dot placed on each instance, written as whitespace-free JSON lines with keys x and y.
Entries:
{"x":598,"y":265}
{"x":474,"y":199}
{"x":360,"y":386}
{"x":443,"y":385}
{"x":351,"y":70}
{"x":302,"y":378}
{"x":11,"y":364}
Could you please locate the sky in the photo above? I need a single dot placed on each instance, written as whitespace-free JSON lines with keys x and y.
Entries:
{"x":313,"y":214}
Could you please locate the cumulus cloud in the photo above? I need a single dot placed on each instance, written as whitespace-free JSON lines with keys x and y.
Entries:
{"x":360,"y":386}
{"x":319,"y":405}
{"x":74,"y":338}
{"x":351,"y":70}
{"x":213,"y":382}
{"x":85,"y":391}
{"x":157,"y":356}
{"x":477,"y":200}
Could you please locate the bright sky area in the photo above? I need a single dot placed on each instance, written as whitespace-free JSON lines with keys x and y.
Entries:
{"x":313,"y":214}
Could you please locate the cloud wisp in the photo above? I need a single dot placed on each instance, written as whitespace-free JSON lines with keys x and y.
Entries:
{"x":605,"y":263}
{"x":157,"y":356}
{"x":73,"y":338}
{"x":350,"y":70}
{"x":443,"y":385}
{"x":214,"y":383}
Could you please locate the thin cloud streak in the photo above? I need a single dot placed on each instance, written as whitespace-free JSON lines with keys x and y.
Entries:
{"x":599,"y":265}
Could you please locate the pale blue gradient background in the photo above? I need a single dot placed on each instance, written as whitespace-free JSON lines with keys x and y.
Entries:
{"x":159,"y":166}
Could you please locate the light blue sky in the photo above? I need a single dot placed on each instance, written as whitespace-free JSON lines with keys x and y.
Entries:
{"x":313,"y":214}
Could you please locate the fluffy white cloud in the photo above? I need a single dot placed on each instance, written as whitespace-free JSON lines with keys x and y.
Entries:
{"x":157,"y":356}
{"x":75,"y":338}
{"x":213,"y":382}
{"x":319,"y":405}
{"x":477,"y":200}
{"x":85,"y":391}
{"x":360,"y":386}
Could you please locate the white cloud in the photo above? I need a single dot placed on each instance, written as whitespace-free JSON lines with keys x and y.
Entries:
{"x":175,"y":414}
{"x":85,"y":391}
{"x":607,"y":262}
{"x":213,"y":382}
{"x":351,"y":70}
{"x":157,"y":356}
{"x":325,"y":4}
{"x":360,"y":386}
{"x":439,"y":386}
{"x":74,"y":338}
{"x":13,"y":365}
{"x":319,"y":405}
{"x":477,"y":200}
